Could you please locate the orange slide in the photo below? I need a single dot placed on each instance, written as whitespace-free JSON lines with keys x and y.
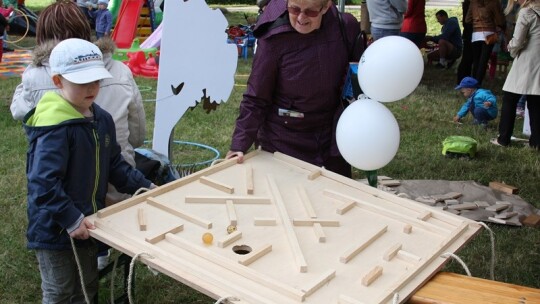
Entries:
{"x":126,"y":23}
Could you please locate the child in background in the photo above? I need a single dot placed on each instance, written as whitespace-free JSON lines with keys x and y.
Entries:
{"x":103,"y":19}
{"x":6,"y":12}
{"x":480,"y":102}
{"x":72,"y":155}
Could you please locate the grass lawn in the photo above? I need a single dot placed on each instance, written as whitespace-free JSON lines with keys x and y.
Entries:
{"x":424,"y":119}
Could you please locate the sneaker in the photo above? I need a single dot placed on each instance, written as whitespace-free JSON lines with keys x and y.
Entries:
{"x":495,"y":141}
{"x":7,"y":50}
{"x":520,"y":112}
{"x":103,"y":261}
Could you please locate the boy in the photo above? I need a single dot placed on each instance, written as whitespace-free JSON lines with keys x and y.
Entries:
{"x":480,"y":102}
{"x":103,"y":19}
{"x":72,"y":154}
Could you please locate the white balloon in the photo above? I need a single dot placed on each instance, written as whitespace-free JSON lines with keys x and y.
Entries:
{"x":390,"y":69}
{"x":367,"y":135}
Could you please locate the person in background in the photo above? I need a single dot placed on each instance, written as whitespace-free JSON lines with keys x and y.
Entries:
{"x":450,"y":43}
{"x":102,"y":18}
{"x":487,"y":20}
{"x":5,"y":12}
{"x":120,"y":95}
{"x":3,"y":25}
{"x":293,"y":97}
{"x":386,"y":17}
{"x":414,"y":22}
{"x":465,"y":65}
{"x":524,"y":74}
{"x":72,"y":154}
{"x":83,"y":6}
{"x":480,"y":102}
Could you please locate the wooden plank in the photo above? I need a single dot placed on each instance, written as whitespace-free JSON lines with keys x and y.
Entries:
{"x":264,"y":221}
{"x":437,"y":252}
{"x":453,"y":288}
{"x":345,"y":207}
{"x":391,"y":252}
{"x":216,"y":185}
{"x":408,"y":257}
{"x":325,"y":278}
{"x":503,"y":187}
{"x":353,"y":251}
{"x":314,"y":174}
{"x":310,"y":222}
{"x":170,"y":186}
{"x":299,"y":259}
{"x":255,"y":255}
{"x":180,"y":213}
{"x":372,"y":275}
{"x":386,"y":212}
{"x":407,"y":228}
{"x":200,"y":199}
{"x":246,"y":272}
{"x":306,"y":202}
{"x":319,"y":233}
{"x":161,"y":236}
{"x":141,"y":219}
{"x":249,"y":179}
{"x":231,"y":213}
{"x":424,"y":216}
{"x":229,"y":239}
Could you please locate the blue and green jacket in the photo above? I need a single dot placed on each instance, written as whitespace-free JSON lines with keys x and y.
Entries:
{"x":478,"y":98}
{"x":70,"y":160}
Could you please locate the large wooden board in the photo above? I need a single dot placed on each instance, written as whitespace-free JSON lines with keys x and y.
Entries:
{"x":303,"y":234}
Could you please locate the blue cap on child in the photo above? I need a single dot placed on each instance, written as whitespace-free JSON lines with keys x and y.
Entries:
{"x":78,"y":61}
{"x":467,"y":82}
{"x":104,"y":2}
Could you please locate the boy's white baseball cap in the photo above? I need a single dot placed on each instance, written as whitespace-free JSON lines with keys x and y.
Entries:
{"x":78,"y":61}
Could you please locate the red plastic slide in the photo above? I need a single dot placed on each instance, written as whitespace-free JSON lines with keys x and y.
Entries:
{"x":126,"y":23}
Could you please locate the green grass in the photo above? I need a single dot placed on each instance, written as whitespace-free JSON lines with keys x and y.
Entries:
{"x":424,"y":118}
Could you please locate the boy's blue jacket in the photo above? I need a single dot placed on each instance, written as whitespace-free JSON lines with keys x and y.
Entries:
{"x":479,"y":97}
{"x":70,"y":160}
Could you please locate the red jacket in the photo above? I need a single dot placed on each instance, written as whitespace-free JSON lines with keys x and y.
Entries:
{"x":414,"y":20}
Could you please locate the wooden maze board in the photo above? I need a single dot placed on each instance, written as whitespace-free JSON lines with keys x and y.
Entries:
{"x":303,"y":234}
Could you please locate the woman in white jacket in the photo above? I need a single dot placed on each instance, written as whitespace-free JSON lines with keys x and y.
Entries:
{"x":524,"y":75}
{"x":119,"y":95}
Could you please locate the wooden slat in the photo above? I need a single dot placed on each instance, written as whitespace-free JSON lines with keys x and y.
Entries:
{"x":306,"y":202}
{"x":452,"y":288}
{"x":202,"y":199}
{"x":255,"y":255}
{"x":180,"y":213}
{"x":216,"y":184}
{"x":249,"y":179}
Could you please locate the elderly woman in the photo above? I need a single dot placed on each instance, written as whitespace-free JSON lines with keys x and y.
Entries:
{"x":292,"y":101}
{"x":524,"y":74}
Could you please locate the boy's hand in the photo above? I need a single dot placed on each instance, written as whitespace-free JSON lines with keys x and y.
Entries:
{"x":82,"y":233}
{"x":487,"y":104}
{"x":456,"y":119}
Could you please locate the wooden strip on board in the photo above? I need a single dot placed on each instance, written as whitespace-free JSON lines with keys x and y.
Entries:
{"x":372,"y":275}
{"x":231,"y":213}
{"x":161,"y":236}
{"x":229,"y":239}
{"x":141,"y":219}
{"x":216,"y":185}
{"x":289,"y":229}
{"x":353,"y":251}
{"x":319,"y":233}
{"x":327,"y":277}
{"x":199,"y":199}
{"x":180,"y":213}
{"x":306,"y":202}
{"x":255,"y":255}
{"x":249,"y":179}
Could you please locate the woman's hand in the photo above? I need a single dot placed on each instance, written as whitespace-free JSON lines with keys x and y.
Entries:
{"x":238,"y":154}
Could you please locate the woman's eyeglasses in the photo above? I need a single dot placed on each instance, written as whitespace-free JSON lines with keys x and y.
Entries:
{"x":295,"y":10}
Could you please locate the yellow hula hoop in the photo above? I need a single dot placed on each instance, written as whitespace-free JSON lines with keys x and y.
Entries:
{"x":27,"y":27}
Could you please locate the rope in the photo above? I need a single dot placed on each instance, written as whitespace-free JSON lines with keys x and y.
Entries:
{"x":130,"y":276}
{"x":395,"y":299}
{"x":83,"y":286}
{"x":449,"y":254}
{"x":141,"y":190}
{"x":217,"y":161}
{"x":220,"y":300}
{"x":492,"y":238}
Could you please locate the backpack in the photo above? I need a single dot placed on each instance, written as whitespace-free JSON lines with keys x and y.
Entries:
{"x":459,"y":146}
{"x":155,"y":166}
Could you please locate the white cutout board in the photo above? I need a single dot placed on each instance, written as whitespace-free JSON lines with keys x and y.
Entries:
{"x":194,"y":51}
{"x":303,"y":234}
